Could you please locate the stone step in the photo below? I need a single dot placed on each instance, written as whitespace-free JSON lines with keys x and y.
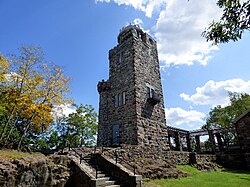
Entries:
{"x":100,"y":175}
{"x":104,"y":179}
{"x":113,"y":186}
{"x":108,"y":183}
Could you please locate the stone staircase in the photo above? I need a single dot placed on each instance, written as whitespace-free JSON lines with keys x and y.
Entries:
{"x":94,"y":169}
{"x":102,"y":177}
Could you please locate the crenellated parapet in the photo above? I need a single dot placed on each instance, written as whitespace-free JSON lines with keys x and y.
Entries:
{"x":103,"y":86}
{"x":134,"y":31}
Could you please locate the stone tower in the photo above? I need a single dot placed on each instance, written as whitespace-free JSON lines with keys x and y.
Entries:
{"x":131,"y":108}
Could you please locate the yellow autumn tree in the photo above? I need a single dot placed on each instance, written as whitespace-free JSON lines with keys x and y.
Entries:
{"x":4,"y":66}
{"x":31,"y":87}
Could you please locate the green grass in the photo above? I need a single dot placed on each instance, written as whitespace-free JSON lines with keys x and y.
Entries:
{"x":16,"y":154}
{"x":220,"y":178}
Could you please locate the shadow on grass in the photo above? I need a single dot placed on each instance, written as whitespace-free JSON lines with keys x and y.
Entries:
{"x":235,"y":171}
{"x":244,"y":178}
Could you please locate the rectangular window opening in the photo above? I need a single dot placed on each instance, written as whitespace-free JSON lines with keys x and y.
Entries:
{"x":121,"y":56}
{"x":123,"y":98}
{"x":119,"y":99}
{"x":148,"y":92}
{"x":115,"y":101}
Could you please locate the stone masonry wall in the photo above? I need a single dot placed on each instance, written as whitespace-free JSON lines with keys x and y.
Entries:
{"x":133,"y":67}
{"x":243,"y":130}
{"x":151,"y":118}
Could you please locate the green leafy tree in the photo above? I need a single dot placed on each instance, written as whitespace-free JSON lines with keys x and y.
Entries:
{"x":78,"y":129}
{"x":4,"y":66}
{"x":234,"y":21}
{"x":220,"y":117}
{"x":223,"y":117}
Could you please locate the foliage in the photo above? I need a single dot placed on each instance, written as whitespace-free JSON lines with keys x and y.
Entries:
{"x":234,"y":21}
{"x":79,"y":128}
{"x":76,"y":130}
{"x":222,"y":178}
{"x":224,"y":116}
{"x":30,"y":88}
{"x":4,"y":66}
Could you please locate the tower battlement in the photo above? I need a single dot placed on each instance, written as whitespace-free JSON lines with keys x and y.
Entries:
{"x":134,"y":31}
{"x":103,"y":86}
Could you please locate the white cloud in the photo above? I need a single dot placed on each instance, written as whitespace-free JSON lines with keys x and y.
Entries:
{"x":179,"y":28}
{"x":181,"y":118}
{"x":63,"y":110}
{"x":138,"y":21}
{"x":12,"y":77}
{"x":216,"y":93}
{"x":147,"y":6}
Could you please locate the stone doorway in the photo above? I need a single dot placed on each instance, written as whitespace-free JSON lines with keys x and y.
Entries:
{"x":115,"y":140}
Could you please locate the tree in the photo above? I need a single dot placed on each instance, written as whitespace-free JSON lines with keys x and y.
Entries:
{"x":75,"y":130}
{"x":4,"y":66}
{"x":223,"y":117}
{"x":30,"y":88}
{"x":234,"y":21}
{"x":220,"y":117}
{"x":79,"y":128}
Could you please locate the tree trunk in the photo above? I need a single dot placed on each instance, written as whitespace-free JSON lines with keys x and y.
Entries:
{"x":7,"y":123}
{"x":23,"y":135}
{"x":10,"y":132}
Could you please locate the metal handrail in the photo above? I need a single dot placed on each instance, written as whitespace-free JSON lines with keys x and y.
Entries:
{"x":82,"y":158}
{"x":115,"y":141}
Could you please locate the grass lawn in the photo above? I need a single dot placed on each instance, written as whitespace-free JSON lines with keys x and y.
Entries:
{"x":15,"y":154}
{"x":220,"y":178}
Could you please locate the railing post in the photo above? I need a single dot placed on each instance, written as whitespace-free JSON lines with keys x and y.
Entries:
{"x":116,"y":157}
{"x":134,"y":169}
{"x":96,"y":172}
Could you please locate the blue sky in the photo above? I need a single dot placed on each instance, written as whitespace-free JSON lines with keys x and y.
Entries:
{"x":78,"y":35}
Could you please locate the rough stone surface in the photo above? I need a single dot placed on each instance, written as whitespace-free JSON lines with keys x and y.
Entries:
{"x":151,"y":163}
{"x":243,"y":131}
{"x":133,"y":68}
{"x":207,"y":166}
{"x":34,"y":171}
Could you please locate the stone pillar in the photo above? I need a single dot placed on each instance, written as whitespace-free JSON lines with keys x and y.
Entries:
{"x":212,"y":141}
{"x":178,"y":141}
{"x":188,"y":143}
{"x":197,"y":144}
{"x":219,"y":140}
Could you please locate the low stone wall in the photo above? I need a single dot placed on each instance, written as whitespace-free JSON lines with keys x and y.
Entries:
{"x":205,"y":158}
{"x":247,"y":159}
{"x":79,"y":177}
{"x":234,"y":160}
{"x":178,"y":157}
{"x":185,"y":158}
{"x":150,"y":162}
